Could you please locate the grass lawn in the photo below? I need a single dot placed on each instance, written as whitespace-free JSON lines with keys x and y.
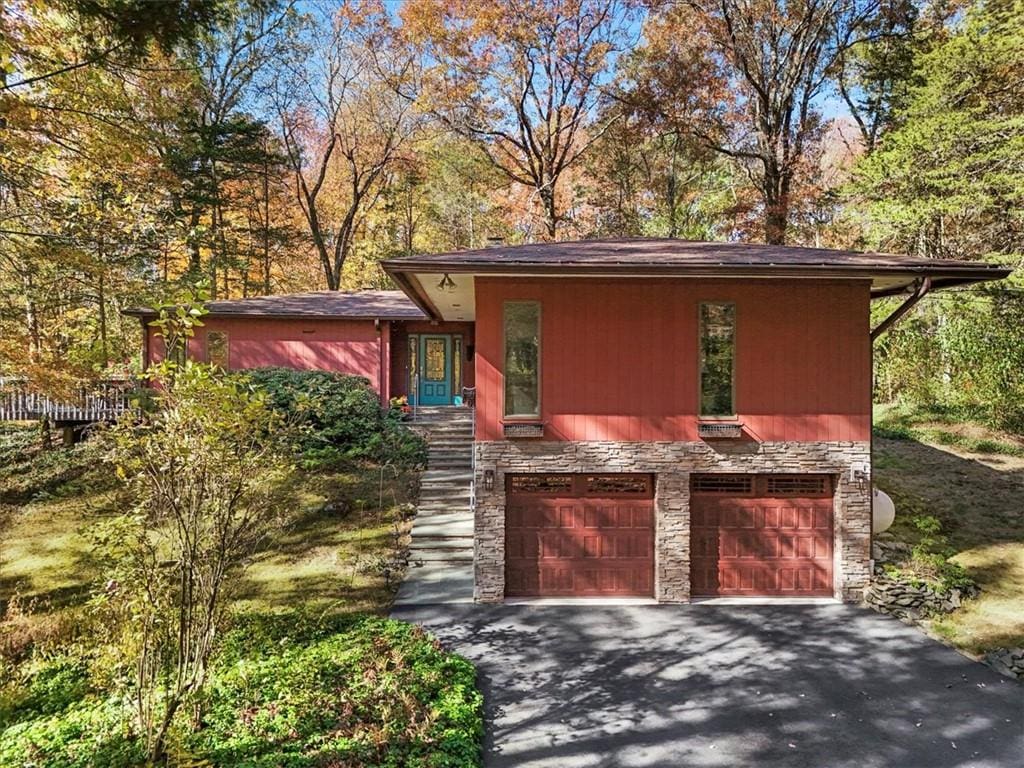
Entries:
{"x":334,"y":556}
{"x":971,"y":479}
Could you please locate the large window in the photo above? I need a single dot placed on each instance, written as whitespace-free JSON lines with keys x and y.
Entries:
{"x":217,"y":349}
{"x":522,"y":359}
{"x":717,"y":356}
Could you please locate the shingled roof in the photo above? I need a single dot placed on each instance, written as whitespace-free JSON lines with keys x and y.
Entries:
{"x":888,"y":274}
{"x":669,"y":254}
{"x":361,"y":305}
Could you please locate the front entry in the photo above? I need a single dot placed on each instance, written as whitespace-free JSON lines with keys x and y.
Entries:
{"x":433,"y":384}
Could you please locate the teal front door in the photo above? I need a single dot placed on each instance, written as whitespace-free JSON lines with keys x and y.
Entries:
{"x":435,"y":370}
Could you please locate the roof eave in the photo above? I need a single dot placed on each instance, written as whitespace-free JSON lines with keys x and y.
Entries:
{"x":402,"y":272}
{"x":148,"y":314}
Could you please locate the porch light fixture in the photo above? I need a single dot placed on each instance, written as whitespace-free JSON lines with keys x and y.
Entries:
{"x":488,"y":479}
{"x":446,"y":284}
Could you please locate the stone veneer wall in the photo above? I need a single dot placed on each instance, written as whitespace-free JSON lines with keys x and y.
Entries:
{"x":672,"y":463}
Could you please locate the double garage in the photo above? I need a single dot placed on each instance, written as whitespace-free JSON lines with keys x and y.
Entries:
{"x":593,"y":535}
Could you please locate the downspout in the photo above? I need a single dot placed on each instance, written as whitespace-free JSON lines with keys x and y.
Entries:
{"x":923,"y":286}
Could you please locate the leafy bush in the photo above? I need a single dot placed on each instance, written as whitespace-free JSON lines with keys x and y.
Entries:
{"x":341,"y":417}
{"x":964,"y":354}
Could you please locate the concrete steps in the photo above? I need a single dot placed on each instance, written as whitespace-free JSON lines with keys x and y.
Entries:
{"x":441,"y":552}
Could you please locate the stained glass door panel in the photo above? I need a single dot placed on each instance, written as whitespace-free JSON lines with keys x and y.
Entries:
{"x":435,"y":385}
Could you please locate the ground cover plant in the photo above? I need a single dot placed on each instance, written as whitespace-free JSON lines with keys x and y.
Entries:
{"x":291,"y":689}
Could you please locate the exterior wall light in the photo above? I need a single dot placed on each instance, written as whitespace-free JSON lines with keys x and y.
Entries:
{"x":446,"y":284}
{"x":488,"y":479}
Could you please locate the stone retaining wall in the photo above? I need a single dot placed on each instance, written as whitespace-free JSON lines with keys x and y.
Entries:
{"x":672,"y":463}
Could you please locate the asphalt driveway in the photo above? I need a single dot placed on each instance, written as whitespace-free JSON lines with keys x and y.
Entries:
{"x":821,"y":686}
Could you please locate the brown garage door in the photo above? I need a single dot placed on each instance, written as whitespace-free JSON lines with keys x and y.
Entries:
{"x":579,"y":535}
{"x":761,"y":535}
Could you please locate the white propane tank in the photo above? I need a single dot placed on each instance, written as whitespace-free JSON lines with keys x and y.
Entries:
{"x":883,"y":511}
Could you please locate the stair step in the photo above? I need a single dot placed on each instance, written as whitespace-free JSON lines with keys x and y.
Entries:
{"x":445,"y":478}
{"x":455,"y":545}
{"x":443,"y":518}
{"x":440,"y":556}
{"x":446,"y":536}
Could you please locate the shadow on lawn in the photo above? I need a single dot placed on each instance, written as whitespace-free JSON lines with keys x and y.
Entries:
{"x":724,"y":686}
{"x":978,"y":501}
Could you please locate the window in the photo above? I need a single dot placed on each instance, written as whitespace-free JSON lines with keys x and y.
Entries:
{"x":434,"y":365}
{"x":457,"y":364}
{"x":217,"y":349}
{"x":717,"y":354}
{"x":522,"y":359}
{"x":414,"y":371}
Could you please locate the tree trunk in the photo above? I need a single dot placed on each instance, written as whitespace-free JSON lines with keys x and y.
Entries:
{"x":670,"y":191}
{"x":547,"y":198}
{"x":35,"y":342}
{"x":266,"y":226}
{"x":776,"y":206}
{"x":104,"y":343}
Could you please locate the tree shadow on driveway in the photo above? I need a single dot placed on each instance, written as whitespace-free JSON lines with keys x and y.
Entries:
{"x":702,"y":685}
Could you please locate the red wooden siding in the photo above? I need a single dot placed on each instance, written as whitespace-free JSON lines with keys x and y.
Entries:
{"x":619,"y":357}
{"x":346,"y":346}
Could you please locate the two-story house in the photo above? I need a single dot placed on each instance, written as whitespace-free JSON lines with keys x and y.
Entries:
{"x":654,"y":418}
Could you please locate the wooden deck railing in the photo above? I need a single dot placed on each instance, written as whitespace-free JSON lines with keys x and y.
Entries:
{"x":102,"y":401}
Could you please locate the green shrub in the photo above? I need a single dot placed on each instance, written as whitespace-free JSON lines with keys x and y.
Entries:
{"x":340,"y":416}
{"x":929,"y":557}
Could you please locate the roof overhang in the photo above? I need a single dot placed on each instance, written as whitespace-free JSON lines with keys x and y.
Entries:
{"x":146,"y":313}
{"x":421,"y":279}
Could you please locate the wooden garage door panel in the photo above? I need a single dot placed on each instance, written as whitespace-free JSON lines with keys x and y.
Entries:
{"x":579,"y":546}
{"x":761,"y":546}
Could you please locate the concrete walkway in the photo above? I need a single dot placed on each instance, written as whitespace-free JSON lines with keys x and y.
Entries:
{"x":441,"y":553}
{"x":816,"y":686}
